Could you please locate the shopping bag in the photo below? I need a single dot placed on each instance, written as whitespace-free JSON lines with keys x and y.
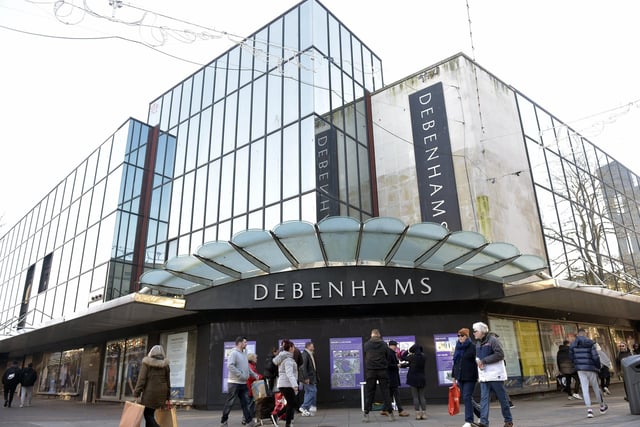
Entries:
{"x":454,"y":400}
{"x":258,"y":389}
{"x":131,"y":414}
{"x":167,"y":417}
{"x":280,"y":403}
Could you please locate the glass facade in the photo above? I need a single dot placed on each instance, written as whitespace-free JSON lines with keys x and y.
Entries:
{"x":250,"y":128}
{"x":588,"y":204}
{"x":77,"y":245}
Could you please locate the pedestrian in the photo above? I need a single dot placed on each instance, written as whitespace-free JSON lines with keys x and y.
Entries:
{"x":605,"y":370}
{"x":585,"y":358}
{"x":154,"y":384}
{"x":10,"y":380}
{"x":29,"y":377}
{"x":568,"y":370}
{"x":270,"y":369}
{"x":636,"y":348}
{"x":393,"y":369}
{"x":253,"y":365}
{"x":416,"y":379}
{"x":492,"y":373}
{"x":309,"y":379}
{"x":288,"y":378}
{"x":465,"y":374}
{"x":375,"y":368}
{"x":623,"y":353}
{"x":239,"y":373}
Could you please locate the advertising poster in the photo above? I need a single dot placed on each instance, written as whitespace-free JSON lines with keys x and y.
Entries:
{"x":346,"y":362}
{"x":136,"y":350}
{"x":112,"y":359}
{"x":228,"y":346}
{"x":530,"y":349}
{"x":177,"y":354}
{"x":507,"y":336}
{"x":445,"y":346}
{"x":404,"y":343}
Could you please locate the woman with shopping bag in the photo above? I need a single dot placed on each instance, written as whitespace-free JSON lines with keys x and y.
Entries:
{"x":465,"y":374}
{"x":154,"y":386}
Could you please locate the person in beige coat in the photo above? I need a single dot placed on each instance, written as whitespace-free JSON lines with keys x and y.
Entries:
{"x":153,"y":384}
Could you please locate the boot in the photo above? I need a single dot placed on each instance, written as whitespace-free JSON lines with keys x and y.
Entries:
{"x":418,"y":415}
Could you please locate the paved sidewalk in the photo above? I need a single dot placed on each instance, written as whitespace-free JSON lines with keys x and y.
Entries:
{"x":551,"y":409}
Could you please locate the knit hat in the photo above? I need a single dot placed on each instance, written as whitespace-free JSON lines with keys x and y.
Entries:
{"x":464,"y":331}
{"x":392,"y":342}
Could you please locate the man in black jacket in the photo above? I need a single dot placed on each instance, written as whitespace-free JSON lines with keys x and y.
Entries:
{"x":10,"y":380}
{"x":375,"y":368}
{"x":394,"y":378}
{"x":568,"y":370}
{"x":29,"y":377}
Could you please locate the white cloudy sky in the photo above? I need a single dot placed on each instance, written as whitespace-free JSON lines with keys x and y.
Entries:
{"x":63,"y":94}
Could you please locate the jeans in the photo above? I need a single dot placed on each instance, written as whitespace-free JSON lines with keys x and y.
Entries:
{"x":466,"y":390}
{"x":501,"y":394}
{"x":240,"y":391}
{"x":382,"y":378}
{"x":26,"y":393}
{"x":419,"y":402}
{"x":310,"y":393}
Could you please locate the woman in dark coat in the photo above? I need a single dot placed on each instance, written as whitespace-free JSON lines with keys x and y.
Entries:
{"x":154,"y":384}
{"x":417,"y":380}
{"x":465,"y":372}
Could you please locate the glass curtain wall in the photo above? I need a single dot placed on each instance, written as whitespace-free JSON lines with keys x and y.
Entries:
{"x":248,"y":127}
{"x":56,"y":259}
{"x":588,"y":204}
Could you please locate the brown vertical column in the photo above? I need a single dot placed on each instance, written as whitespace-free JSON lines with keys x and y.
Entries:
{"x":142,"y":229}
{"x":372,"y":156}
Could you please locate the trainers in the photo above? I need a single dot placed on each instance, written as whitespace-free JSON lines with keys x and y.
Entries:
{"x":603,"y":408}
{"x":224,"y":424}
{"x":403,"y":414}
{"x":274,"y":420}
{"x":606,"y":391}
{"x":589,"y":413}
{"x":467,"y":425}
{"x":577,"y":396}
{"x":305,"y":413}
{"x":570,"y":397}
{"x":511,"y":405}
{"x":365,"y":417}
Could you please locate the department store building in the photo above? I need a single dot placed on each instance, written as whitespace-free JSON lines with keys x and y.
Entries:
{"x":284,"y":191}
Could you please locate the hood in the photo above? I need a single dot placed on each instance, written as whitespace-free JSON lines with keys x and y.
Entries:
{"x":154,"y":362}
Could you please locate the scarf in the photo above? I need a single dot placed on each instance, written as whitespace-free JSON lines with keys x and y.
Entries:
{"x":460,"y":349}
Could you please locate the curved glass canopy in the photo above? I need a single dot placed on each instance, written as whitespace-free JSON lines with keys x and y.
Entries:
{"x":342,"y":241}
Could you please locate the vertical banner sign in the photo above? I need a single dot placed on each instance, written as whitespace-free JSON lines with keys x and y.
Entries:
{"x":177,"y":355}
{"x":445,"y":347}
{"x":327,"y":174}
{"x":346,"y":363}
{"x":434,"y":163}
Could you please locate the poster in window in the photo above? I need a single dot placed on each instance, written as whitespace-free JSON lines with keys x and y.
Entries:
{"x":445,"y":345}
{"x":136,"y":349}
{"x":346,"y":362}
{"x":505,"y":329}
{"x":112,"y":358}
{"x":177,"y":355}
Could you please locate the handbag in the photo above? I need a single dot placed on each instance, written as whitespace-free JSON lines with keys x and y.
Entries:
{"x":454,"y":399}
{"x":258,"y":389}
{"x":131,"y":414}
{"x":167,"y":417}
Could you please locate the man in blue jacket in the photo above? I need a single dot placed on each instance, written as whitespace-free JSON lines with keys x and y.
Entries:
{"x":587,"y":362}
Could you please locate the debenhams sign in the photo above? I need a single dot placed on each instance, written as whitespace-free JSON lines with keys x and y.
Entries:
{"x":339,"y":290}
{"x":342,"y":286}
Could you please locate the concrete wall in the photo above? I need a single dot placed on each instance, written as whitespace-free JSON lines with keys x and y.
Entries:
{"x":495,"y":189}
